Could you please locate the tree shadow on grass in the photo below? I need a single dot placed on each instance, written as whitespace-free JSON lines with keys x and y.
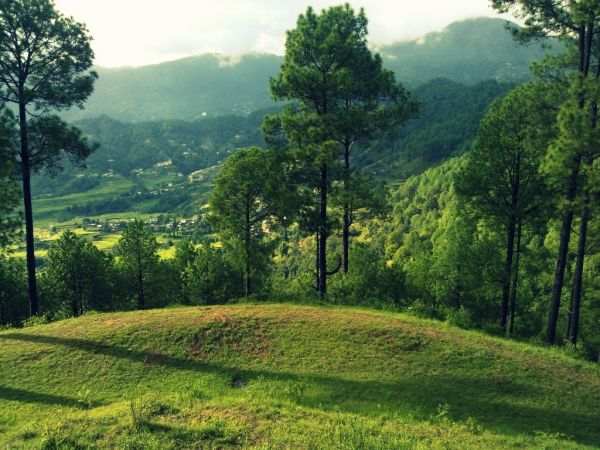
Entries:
{"x":502,"y":408}
{"x":25,"y":396}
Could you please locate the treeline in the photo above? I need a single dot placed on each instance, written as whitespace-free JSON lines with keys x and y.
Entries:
{"x":78,"y":278}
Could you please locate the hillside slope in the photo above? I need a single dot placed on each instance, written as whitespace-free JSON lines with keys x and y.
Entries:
{"x":281,"y":376}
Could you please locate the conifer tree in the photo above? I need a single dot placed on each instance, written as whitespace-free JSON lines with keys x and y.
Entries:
{"x":44,"y":62}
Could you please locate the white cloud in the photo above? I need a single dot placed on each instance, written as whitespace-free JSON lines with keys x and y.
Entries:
{"x":137,"y":32}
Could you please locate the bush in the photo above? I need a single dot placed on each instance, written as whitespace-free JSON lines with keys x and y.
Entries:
{"x":370,"y":280}
{"x":461,"y":318}
{"x":36,"y":320}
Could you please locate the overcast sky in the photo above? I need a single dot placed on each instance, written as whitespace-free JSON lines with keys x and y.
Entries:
{"x":139,"y":32}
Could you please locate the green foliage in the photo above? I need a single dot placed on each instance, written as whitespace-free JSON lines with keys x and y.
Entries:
{"x":35,"y":321}
{"x":77,"y":277}
{"x":211,"y":277}
{"x":138,"y":253}
{"x":57,"y":51}
{"x":501,"y":177}
{"x":9,"y":190}
{"x":450,"y":261}
{"x":46,"y":59}
{"x":249,"y":195}
{"x":374,"y":281}
{"x":577,"y":138}
{"x":13,"y":291}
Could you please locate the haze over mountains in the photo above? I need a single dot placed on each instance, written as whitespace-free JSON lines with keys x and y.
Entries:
{"x":467,"y":52}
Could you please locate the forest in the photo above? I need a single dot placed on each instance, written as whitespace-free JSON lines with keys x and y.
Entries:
{"x":469,"y":200}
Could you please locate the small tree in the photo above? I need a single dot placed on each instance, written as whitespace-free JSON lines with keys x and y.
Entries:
{"x":211,"y":278}
{"x":44,"y":59}
{"x":247,"y":197}
{"x":77,"y":274}
{"x":185,"y":253}
{"x":13,"y":291}
{"x":138,"y":251}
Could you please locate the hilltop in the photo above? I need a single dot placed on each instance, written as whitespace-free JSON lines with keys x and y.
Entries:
{"x":273,"y":376}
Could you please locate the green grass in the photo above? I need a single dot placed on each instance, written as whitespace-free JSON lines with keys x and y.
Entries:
{"x":283,"y":376}
{"x":47,"y":205}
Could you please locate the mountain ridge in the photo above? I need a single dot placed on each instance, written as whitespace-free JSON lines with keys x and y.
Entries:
{"x":211,"y":84}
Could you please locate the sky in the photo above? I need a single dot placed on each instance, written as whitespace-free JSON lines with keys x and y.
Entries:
{"x":140,"y":32}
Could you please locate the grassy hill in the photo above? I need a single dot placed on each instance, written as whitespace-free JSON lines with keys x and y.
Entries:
{"x":281,"y":376}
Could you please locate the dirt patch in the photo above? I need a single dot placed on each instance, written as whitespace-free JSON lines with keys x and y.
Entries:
{"x":225,"y":335}
{"x":156,"y":358}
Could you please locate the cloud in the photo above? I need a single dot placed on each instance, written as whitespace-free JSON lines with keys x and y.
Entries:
{"x":138,"y":32}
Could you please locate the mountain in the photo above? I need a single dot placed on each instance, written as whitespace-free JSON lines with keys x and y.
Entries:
{"x":283,"y":376}
{"x":184,"y":89}
{"x":467,"y":52}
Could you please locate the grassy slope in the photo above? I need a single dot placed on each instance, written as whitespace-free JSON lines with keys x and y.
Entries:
{"x":278,"y":376}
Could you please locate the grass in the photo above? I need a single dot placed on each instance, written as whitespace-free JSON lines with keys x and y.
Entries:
{"x":47,"y":205}
{"x":283,"y":376}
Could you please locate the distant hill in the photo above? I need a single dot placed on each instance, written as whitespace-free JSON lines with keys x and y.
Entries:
{"x":449,"y":118}
{"x":467,"y":52}
{"x":184,"y":89}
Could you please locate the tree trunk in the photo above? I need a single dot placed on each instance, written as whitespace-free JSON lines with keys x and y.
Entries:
{"x":515,"y":282}
{"x":508,"y":264}
{"x":317,"y":263}
{"x":323,"y":233}
{"x":561,"y":259}
{"x":247,"y":250}
{"x":141,"y":295}
{"x":29,"y":239}
{"x":578,"y":277}
{"x":585,"y":51}
{"x":347,"y":218}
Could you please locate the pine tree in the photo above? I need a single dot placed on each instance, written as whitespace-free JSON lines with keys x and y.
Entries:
{"x":44,"y":62}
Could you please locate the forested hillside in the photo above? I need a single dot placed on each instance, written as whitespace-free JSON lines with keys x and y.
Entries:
{"x":448,"y":120}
